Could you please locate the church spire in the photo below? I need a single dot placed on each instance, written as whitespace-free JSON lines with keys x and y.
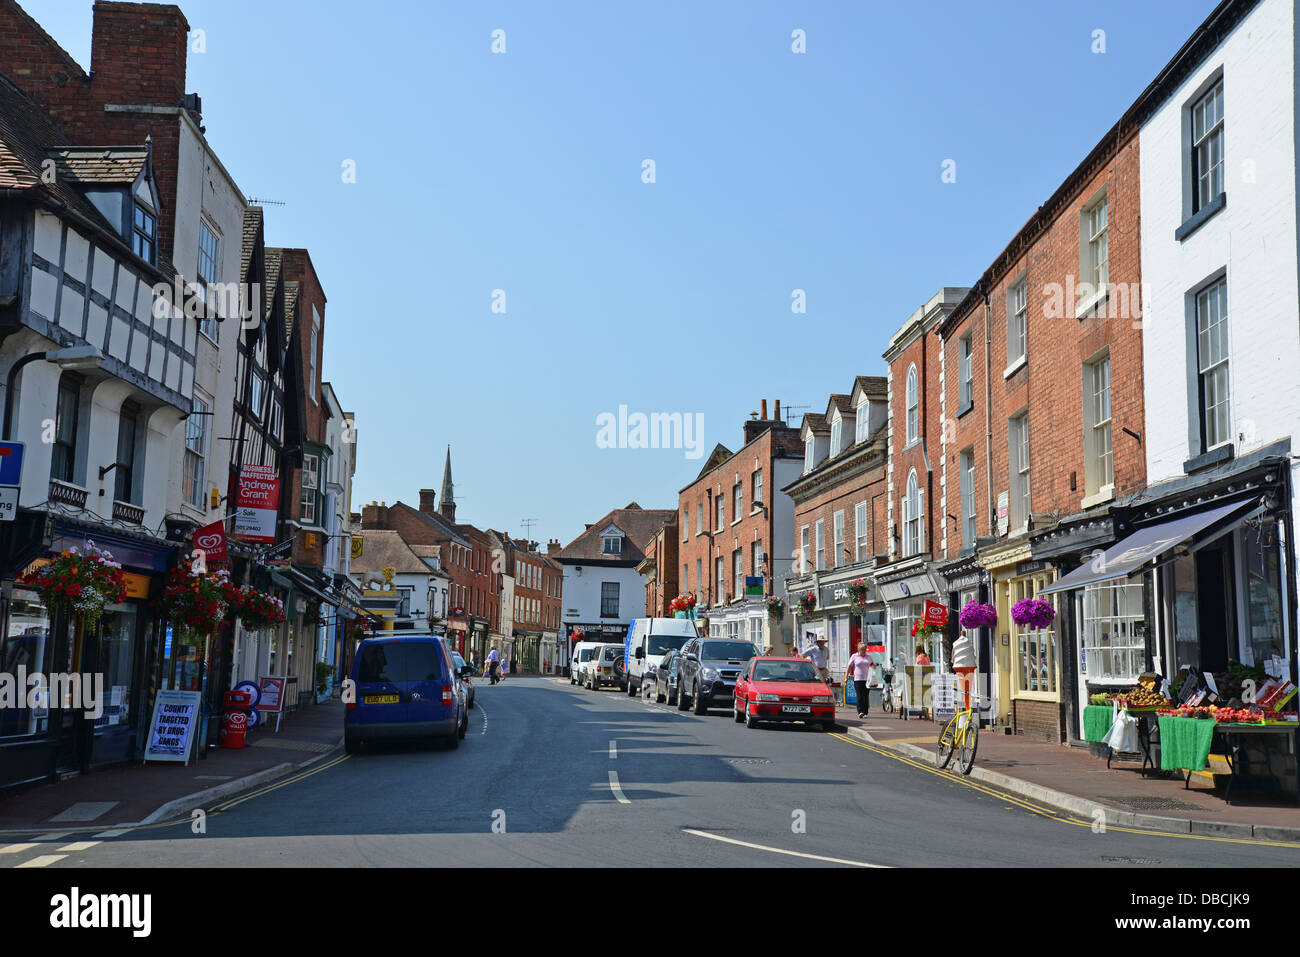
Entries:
{"x":448,"y":507}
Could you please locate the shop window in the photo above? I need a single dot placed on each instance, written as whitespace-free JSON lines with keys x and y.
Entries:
{"x":26,"y":645}
{"x":1035,"y":647}
{"x":1113,"y":647}
{"x":1260,"y":546}
{"x":117,"y":650}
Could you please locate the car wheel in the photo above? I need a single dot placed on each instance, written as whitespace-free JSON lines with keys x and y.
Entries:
{"x":700,"y":702}
{"x":631,"y":692}
{"x":659,"y":696}
{"x":828,"y":726}
{"x":751,"y":721}
{"x":464,"y":727}
{"x":471,"y":701}
{"x":682,"y":703}
{"x":350,"y":744}
{"x":736,"y":712}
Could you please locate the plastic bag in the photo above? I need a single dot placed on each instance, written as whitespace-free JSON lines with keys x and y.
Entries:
{"x":1123,"y":734}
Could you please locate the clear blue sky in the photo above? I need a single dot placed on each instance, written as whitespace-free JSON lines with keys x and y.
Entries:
{"x":523,"y":172}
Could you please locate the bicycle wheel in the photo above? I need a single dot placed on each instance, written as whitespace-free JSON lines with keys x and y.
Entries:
{"x":887,"y":702}
{"x":969,"y":741}
{"x":947,"y":739}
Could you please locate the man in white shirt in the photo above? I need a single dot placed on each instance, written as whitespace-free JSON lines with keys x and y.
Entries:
{"x":817,"y":655}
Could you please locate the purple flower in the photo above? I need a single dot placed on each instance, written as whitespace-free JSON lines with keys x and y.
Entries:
{"x":1033,"y":613}
{"x":976,"y":615}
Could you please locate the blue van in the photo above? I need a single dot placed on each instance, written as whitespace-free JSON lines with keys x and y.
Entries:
{"x":405,"y":687}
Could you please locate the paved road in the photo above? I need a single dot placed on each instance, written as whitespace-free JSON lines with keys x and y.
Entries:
{"x":568,"y":776}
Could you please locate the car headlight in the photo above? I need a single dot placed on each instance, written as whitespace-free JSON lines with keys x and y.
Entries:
{"x":708,"y":674}
{"x":769,"y":697}
{"x":823,"y":699}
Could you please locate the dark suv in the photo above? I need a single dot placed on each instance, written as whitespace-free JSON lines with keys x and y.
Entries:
{"x":708,"y":671}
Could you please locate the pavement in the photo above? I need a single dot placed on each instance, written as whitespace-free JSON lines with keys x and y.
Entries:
{"x":1076,"y":780}
{"x":142,"y":794}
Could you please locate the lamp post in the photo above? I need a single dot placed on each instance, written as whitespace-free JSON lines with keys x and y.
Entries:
{"x":70,"y":357}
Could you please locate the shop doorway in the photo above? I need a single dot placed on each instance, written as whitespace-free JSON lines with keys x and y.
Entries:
{"x":1216,"y":615}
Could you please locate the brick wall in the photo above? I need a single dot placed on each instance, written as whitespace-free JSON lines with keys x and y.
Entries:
{"x":868,"y":486}
{"x":1038,"y":720}
{"x":923,"y":354}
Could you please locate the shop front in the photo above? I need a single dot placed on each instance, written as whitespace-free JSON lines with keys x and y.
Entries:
{"x":904,"y":588}
{"x":745,"y":620}
{"x":808,"y":625}
{"x":527,"y":651}
{"x":1027,"y":657}
{"x":847,"y":626}
{"x":551,"y":655}
{"x":961,"y":583}
{"x":478,"y":637}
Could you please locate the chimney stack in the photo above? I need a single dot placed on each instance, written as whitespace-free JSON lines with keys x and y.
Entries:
{"x":427,"y":495}
{"x":553,"y":548}
{"x":777,"y":416}
{"x":138,"y":53}
{"x":763,"y":413}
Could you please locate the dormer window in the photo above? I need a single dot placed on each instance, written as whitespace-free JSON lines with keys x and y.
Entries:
{"x":862,"y":418}
{"x":612,"y":545}
{"x":836,"y":431}
{"x":144,"y":234}
{"x":808,"y":454}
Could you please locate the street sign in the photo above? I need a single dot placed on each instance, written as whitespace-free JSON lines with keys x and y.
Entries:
{"x":11,"y":463}
{"x":8,"y":503}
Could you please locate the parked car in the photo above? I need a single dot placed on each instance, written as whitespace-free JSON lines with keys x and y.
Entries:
{"x":783,"y":689}
{"x":666,"y":676}
{"x":600,"y":669}
{"x":466,"y":672}
{"x":648,"y":640}
{"x":405,"y":687}
{"x":708,"y":672}
{"x":582,"y":653}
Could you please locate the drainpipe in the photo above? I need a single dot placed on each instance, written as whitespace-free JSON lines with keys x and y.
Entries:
{"x":988,"y":413}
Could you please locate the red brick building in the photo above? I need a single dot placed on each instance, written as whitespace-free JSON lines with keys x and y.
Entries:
{"x":1037,"y":446}
{"x":840,"y":505}
{"x":735,"y":523}
{"x":659,"y":568}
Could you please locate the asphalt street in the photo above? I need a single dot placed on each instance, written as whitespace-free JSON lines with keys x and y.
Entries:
{"x":556,"y":775}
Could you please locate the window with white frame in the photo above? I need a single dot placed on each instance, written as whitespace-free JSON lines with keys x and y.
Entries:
{"x":821,"y":544}
{"x":1114,"y":649}
{"x":208,"y":276}
{"x":862,"y":421}
{"x":738,"y":570}
{"x":315,"y":346}
{"x":686,"y":524}
{"x":758,"y":487}
{"x":699,"y":577}
{"x":1212,"y":365}
{"x":965,"y":374}
{"x":720,"y":578}
{"x":913,"y":538}
{"x":837,"y":527}
{"x":1097,"y":225}
{"x":1099,"y":471}
{"x":722,"y":513}
{"x":609,"y":599}
{"x":968,"y":523}
{"x":1019,"y":471}
{"x":913,"y":402}
{"x":860,"y":530}
{"x":611,"y":545}
{"x":1036,"y":661}
{"x":1207,"y":147}
{"x":756,"y":556}
{"x":310,"y":488}
{"x":837,"y":431}
{"x":803,"y":550}
{"x":196,"y":453}
{"x":1017,"y":321}
{"x":808,"y":454}
{"x":699,"y":518}
{"x":738,"y":494}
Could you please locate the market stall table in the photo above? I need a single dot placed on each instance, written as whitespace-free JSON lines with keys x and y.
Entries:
{"x":1097,"y":722}
{"x":1236,"y":755}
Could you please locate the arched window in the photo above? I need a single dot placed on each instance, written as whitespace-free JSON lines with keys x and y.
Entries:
{"x":911,"y":405}
{"x":912,"y":536}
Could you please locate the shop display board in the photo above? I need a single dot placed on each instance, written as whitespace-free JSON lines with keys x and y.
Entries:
{"x":272,"y":696}
{"x":172,"y":728}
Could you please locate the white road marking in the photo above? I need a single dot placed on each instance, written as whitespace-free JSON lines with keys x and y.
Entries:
{"x":55,"y":836}
{"x":778,"y":850}
{"x":16,"y":848}
{"x":79,"y":846}
{"x":484,"y":714}
{"x":43,"y":861}
{"x":116,"y":832}
{"x":613,"y":750}
{"x":617,"y":789}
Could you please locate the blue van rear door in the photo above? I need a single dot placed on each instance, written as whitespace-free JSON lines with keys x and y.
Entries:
{"x":381,"y":672}
{"x":425,"y":679}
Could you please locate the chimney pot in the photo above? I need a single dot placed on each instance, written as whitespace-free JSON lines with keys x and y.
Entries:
{"x":763,"y":407}
{"x":777,"y":415}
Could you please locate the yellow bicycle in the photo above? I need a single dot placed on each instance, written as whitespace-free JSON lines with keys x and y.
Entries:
{"x":960,"y":736}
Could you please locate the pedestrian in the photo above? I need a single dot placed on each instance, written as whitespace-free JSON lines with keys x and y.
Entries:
{"x":493,"y":666}
{"x":861,"y":670}
{"x":817,"y":655}
{"x":767,"y":651}
{"x":921,"y":657}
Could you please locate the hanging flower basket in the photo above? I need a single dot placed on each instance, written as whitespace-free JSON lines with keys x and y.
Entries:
{"x":1033,"y":613}
{"x":976,"y":615}
{"x":197,"y":600}
{"x":807,"y":603}
{"x":84,"y":579}
{"x":682,"y":603}
{"x":859,"y":594}
{"x":256,"y":609}
{"x":775,"y":607}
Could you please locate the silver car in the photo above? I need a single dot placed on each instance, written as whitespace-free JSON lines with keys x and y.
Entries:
{"x":708,"y":671}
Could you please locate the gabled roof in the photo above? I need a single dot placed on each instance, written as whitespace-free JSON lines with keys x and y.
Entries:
{"x":813,"y":422}
{"x":639,"y":525}
{"x":874,"y":386}
{"x":841,"y":402}
{"x":436,"y":522}
{"x":252,"y":231}
{"x":719,"y":455}
{"x":387,"y":549}
{"x":99,"y":164}
{"x":273,"y":263}
{"x":290,"y":306}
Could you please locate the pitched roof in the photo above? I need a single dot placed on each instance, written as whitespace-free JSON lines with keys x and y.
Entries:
{"x":273,"y":262}
{"x":837,"y":401}
{"x":436,"y":522}
{"x":719,"y":455}
{"x":638,"y":524}
{"x":290,"y":306}
{"x":252,"y":228}
{"x":99,"y":164}
{"x":384,"y":549}
{"x":871,"y":384}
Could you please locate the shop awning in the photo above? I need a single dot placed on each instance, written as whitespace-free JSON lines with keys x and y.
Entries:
{"x":1129,"y":555}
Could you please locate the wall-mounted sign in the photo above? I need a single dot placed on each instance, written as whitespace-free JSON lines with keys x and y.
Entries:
{"x":257,"y":503}
{"x":1004,"y":512}
{"x":357,"y":543}
{"x":753,"y":585}
{"x":211,"y":540}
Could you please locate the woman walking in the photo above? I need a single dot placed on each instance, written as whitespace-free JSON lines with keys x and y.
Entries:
{"x":861,"y":670}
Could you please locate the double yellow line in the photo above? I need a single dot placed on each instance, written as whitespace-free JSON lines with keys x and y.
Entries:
{"x":1043,"y":810}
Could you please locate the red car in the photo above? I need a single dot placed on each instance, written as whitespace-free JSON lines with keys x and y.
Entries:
{"x":783,"y":689}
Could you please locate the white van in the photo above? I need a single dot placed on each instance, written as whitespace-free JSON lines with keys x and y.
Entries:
{"x":648,"y":640}
{"x":583,"y":652}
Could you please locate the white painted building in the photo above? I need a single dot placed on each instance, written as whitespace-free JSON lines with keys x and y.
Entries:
{"x":1221,"y":331}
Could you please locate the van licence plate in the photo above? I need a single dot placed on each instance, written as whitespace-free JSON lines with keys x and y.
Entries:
{"x":380,"y":699}
{"x":797,"y":709}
